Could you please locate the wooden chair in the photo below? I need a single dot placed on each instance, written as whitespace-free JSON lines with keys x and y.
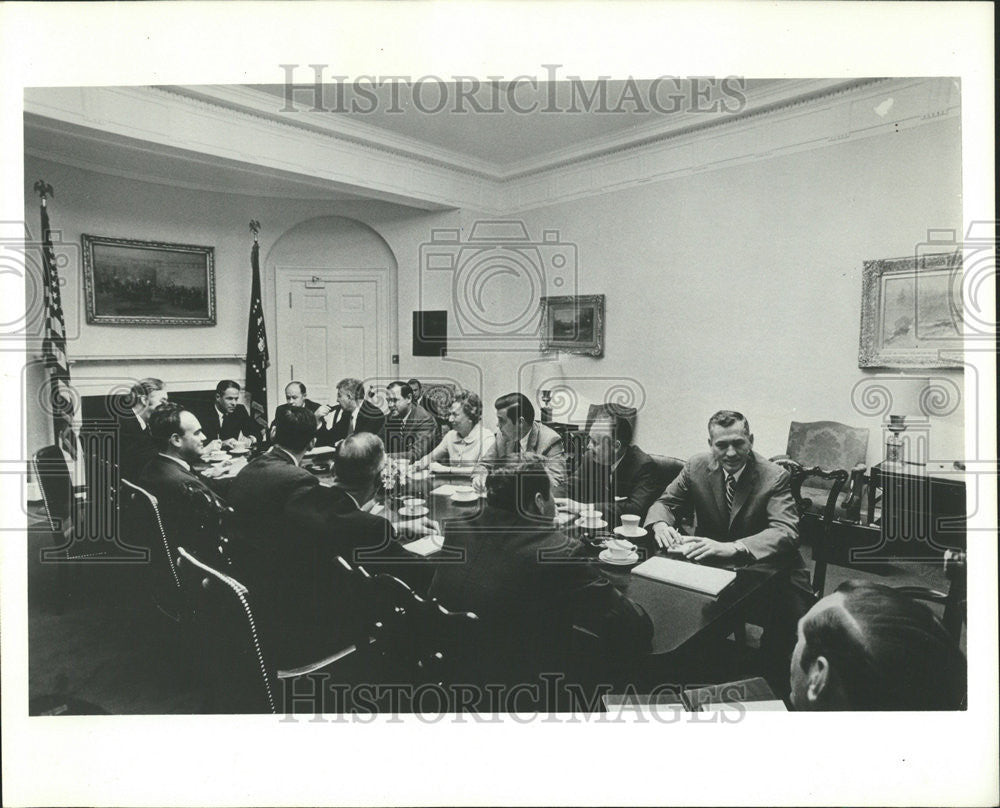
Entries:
{"x":816,"y":527}
{"x":831,"y":445}
{"x":235,"y":664}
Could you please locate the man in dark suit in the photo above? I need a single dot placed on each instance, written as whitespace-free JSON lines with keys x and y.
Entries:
{"x":418,"y":392}
{"x":295,"y":394}
{"x":353,"y":413}
{"x":528,"y":582}
{"x":744,"y":513}
{"x":614,"y":467}
{"x":410,"y":431}
{"x":289,"y":531}
{"x":168,"y":477}
{"x":135,"y":446}
{"x":228,"y":421}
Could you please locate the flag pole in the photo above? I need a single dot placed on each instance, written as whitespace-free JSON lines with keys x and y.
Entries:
{"x":257,"y":358}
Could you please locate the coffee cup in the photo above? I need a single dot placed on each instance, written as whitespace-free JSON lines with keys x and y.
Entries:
{"x":413,"y":502}
{"x":590,"y":518}
{"x":630,"y":523}
{"x":618,"y":548}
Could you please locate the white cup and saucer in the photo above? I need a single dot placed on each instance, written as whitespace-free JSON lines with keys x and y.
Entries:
{"x":413,"y":511}
{"x":619,"y":551}
{"x":591,"y":520}
{"x":216,"y":457}
{"x":464,"y":493}
{"x":630,"y":528}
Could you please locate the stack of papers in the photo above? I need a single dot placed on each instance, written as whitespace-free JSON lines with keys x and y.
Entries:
{"x":316,"y":451}
{"x":707,"y":580}
{"x":425,"y":546}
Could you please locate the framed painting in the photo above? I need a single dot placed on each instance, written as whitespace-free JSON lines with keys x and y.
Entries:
{"x":573,"y":324}
{"x":911,"y":312}
{"x":128,"y":282}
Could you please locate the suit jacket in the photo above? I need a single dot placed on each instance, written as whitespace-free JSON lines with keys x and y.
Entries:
{"x":529,"y":584}
{"x":413,"y":437}
{"x":233,"y":424}
{"x":183,"y":522}
{"x":636,"y":477}
{"x":764,"y":516}
{"x":542,"y":440}
{"x":135,"y":447}
{"x":370,"y":419}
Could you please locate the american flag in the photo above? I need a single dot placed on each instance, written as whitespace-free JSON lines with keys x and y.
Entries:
{"x":257,"y":355}
{"x":54,"y":341}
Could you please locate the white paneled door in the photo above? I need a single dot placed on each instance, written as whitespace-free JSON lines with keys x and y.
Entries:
{"x":332,"y":324}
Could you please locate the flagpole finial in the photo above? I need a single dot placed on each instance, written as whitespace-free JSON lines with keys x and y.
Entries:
{"x":44,"y":190}
{"x":254,"y":228}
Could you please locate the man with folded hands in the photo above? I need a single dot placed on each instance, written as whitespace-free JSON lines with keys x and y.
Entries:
{"x":744,"y":513}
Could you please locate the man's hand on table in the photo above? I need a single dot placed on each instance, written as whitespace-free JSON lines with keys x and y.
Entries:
{"x":415,"y":528}
{"x":667,"y":535}
{"x":697,"y":548}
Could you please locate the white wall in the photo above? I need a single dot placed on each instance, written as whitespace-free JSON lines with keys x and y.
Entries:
{"x":737,"y":287}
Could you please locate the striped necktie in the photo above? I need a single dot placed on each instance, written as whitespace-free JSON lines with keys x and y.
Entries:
{"x":730,"y":490}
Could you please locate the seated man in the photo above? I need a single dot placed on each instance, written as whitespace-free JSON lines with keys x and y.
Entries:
{"x":614,"y":467}
{"x":467,"y":441}
{"x":518,"y":432}
{"x":295,"y":394}
{"x":418,"y":392}
{"x":528,"y":582}
{"x":289,"y":529}
{"x":228,"y":423}
{"x":135,"y":446}
{"x":869,"y":647}
{"x":168,"y":477}
{"x":353,"y":413}
{"x":410,"y":429}
{"x":744,"y":512}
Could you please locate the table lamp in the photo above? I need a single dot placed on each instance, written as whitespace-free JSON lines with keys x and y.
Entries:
{"x":545,"y":377}
{"x":906,"y":403}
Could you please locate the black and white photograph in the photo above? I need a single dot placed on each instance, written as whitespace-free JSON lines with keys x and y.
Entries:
{"x":387,"y":380}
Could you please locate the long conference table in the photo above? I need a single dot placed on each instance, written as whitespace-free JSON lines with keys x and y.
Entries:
{"x":681,"y":617}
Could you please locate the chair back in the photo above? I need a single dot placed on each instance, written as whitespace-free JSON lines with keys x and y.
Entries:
{"x":954,"y":600}
{"x":667,"y":469}
{"x":239,"y":678}
{"x":49,"y":470}
{"x":214,"y":522}
{"x":828,"y":445}
{"x":143,"y":527}
{"x":816,"y":526}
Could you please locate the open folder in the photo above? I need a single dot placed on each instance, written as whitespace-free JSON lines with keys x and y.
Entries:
{"x":707,"y":580}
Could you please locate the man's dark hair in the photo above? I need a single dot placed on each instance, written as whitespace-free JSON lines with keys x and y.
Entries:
{"x":622,"y":427}
{"x":415,"y":383}
{"x":514,"y":406}
{"x":512,"y":486}
{"x":358,"y":459}
{"x":404,"y":389}
{"x":224,"y":385}
{"x":294,"y":427}
{"x":726,"y":418}
{"x":886,"y":650}
{"x":302,"y":387}
{"x":164,"y":422}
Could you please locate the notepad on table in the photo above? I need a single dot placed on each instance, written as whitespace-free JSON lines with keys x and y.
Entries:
{"x":707,"y":580}
{"x":425,"y":546}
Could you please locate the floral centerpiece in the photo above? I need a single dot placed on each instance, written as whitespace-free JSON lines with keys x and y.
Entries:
{"x":392,"y":478}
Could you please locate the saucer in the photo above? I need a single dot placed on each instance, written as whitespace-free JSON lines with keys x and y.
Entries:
{"x":473,"y":497}
{"x":563,"y":518}
{"x":216,"y":457}
{"x":627,"y":534}
{"x":414,"y":512}
{"x":607,"y":558}
{"x":239,"y":450}
{"x":591,"y":526}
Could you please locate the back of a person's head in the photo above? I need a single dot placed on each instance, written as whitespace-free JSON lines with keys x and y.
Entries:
{"x":512,"y":486}
{"x":358,"y":459}
{"x":294,"y":427}
{"x":164,"y":422}
{"x":886,"y":650}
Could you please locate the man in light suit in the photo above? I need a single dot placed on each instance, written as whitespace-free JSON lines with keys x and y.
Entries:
{"x":744,"y":512}
{"x":519,"y":433}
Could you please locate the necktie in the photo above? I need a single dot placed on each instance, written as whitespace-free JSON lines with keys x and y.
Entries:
{"x":730,"y":490}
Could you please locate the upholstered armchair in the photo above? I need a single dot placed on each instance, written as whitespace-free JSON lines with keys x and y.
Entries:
{"x":830,"y":445}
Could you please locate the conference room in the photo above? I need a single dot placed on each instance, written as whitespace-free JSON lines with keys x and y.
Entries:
{"x":641,"y":402}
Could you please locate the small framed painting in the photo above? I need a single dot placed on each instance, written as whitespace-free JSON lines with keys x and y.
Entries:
{"x":911,"y":312}
{"x":573,"y":324}
{"x":130,"y":282}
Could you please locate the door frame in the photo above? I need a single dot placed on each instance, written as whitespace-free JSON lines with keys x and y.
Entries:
{"x":385,"y":291}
